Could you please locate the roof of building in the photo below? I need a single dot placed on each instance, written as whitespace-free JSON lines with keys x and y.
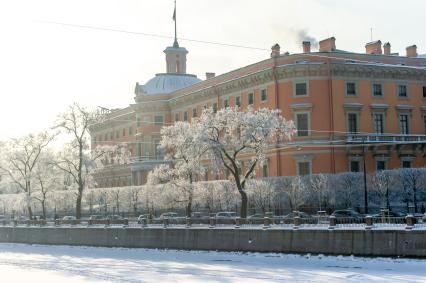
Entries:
{"x":167,"y":82}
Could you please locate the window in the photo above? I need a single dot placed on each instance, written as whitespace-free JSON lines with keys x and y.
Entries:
{"x":106,"y":137}
{"x":406,"y":164}
{"x":117,"y":134}
{"x":380,"y":165}
{"x":377,"y":90}
{"x":424,"y":122}
{"x":250,"y":98}
{"x":304,"y":168}
{"x":301,"y":89}
{"x":185,"y":116}
{"x":350,"y":89}
{"x":354,"y":166}
{"x":124,"y":132}
{"x":424,"y":91}
{"x":214,"y":107}
{"x":237,"y":101}
{"x":138,"y":121}
{"x":226,"y":103}
{"x":111,"y":136}
{"x":352,"y":123}
{"x":158,"y":120}
{"x":403,"y":124}
{"x":263,"y":95}
{"x":302,"y":124}
{"x":176,"y":117}
{"x":378,"y":123}
{"x":265,"y":170}
{"x":402,"y":91}
{"x":194,"y":112}
{"x":130,"y":131}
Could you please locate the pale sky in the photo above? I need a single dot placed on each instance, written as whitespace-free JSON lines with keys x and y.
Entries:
{"x":45,"y":67}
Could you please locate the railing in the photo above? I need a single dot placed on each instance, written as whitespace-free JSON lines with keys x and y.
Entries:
{"x":146,"y":158}
{"x":329,"y":222}
{"x":385,"y":138}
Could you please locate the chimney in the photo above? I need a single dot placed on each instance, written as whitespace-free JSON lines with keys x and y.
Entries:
{"x":275,"y":50}
{"x":374,"y":47}
{"x":210,"y":75}
{"x":411,"y":51}
{"x":327,"y":45}
{"x":306,"y":46}
{"x":387,"y":48}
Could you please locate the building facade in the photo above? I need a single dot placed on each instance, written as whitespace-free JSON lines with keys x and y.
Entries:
{"x":348,"y":107}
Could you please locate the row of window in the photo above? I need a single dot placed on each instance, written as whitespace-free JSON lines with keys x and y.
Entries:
{"x":301,"y":89}
{"x":378,"y":91}
{"x":158,"y":120}
{"x":237,"y":102}
{"x":355,"y":165}
{"x":117,"y":134}
{"x":302,"y":120}
{"x":379,"y":123}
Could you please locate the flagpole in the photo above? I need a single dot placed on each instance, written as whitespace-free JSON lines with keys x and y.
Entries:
{"x":174,"y":18}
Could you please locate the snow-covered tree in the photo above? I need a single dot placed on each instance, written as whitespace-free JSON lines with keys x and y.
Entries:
{"x":296,"y":193}
{"x":19,"y":158}
{"x":231,"y":134}
{"x":348,"y":183}
{"x":47,"y":179}
{"x":381,"y":182}
{"x":261,"y":194}
{"x":184,"y":152}
{"x":319,"y":186}
{"x":411,"y":180}
{"x":76,"y":159}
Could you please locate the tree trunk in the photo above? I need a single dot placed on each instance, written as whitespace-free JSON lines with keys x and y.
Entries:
{"x":387,"y":199}
{"x":30,"y":212}
{"x":244,"y":202}
{"x":189,"y":206}
{"x":415,"y":198}
{"x":78,"y":206}
{"x":43,"y":207}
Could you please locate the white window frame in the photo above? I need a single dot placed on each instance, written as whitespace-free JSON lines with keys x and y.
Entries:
{"x":308,"y":113}
{"x":372,"y":90}
{"x":295,"y":83}
{"x":356,"y":89}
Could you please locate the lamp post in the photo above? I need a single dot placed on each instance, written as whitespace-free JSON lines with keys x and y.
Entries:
{"x":365,"y":178}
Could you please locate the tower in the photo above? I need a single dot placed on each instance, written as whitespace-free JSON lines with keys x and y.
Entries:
{"x":175,"y":55}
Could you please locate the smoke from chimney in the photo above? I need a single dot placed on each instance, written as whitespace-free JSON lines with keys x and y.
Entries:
{"x":302,"y":35}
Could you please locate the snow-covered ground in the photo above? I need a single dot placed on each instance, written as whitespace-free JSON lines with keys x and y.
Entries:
{"x":36,"y":263}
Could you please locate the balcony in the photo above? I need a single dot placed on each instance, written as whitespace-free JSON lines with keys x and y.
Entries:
{"x":385,"y":138}
{"x":146,"y":162}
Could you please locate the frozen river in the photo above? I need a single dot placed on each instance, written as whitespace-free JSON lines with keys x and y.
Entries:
{"x":27,"y":263}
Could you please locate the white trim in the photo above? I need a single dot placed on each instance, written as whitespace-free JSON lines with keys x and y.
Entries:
{"x":306,"y":82}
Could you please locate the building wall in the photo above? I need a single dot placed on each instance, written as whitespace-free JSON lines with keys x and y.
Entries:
{"x":327,"y":105}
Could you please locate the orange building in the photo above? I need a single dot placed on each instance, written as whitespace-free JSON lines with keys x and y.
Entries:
{"x":347,"y":106}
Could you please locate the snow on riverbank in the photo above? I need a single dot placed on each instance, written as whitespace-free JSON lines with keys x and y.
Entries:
{"x":37,"y":263}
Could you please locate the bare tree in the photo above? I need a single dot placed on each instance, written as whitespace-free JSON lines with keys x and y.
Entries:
{"x":47,"y":179}
{"x":348,"y":182}
{"x":411,"y":179}
{"x":19,"y":159}
{"x":318,"y":184}
{"x":296,"y":193}
{"x":381,"y":182}
{"x":261,"y":193}
{"x":76,"y":159}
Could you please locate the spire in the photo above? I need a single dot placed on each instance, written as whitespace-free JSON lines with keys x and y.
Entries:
{"x":175,"y":44}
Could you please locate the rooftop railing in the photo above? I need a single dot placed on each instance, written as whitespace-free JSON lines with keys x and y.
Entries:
{"x":385,"y":138}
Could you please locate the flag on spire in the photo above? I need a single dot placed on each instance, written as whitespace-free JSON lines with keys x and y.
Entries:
{"x":174,"y":13}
